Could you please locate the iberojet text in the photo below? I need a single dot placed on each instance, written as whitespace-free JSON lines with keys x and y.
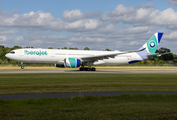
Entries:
{"x":35,"y":52}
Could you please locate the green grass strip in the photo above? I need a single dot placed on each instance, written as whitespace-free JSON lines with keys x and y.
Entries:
{"x":60,"y":83}
{"x":135,"y":106}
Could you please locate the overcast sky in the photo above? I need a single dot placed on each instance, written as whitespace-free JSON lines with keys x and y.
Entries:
{"x":97,"y":24}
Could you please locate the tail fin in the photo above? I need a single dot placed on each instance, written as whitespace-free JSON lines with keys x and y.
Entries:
{"x":150,"y":46}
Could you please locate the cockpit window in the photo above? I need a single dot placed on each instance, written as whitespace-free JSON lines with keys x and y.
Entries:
{"x":12,"y":52}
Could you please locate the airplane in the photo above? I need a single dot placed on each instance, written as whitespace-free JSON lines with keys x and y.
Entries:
{"x":82,"y":58}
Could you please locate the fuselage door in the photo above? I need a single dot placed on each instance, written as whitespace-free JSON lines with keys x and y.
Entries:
{"x":52,"y":53}
{"x":21,"y":53}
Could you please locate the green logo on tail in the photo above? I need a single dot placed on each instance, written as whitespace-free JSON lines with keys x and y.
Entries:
{"x":152,"y":44}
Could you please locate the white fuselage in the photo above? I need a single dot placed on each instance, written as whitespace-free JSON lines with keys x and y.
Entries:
{"x":57,"y":56}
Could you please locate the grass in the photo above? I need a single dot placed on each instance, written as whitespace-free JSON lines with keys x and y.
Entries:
{"x":134,"y":106}
{"x":137,"y":106}
{"x":55,"y":83}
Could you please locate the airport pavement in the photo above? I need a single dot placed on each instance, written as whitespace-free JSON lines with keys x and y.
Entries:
{"x":66,"y":95}
{"x":97,"y":71}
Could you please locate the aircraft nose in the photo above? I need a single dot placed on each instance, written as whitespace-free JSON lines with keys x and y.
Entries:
{"x":7,"y":55}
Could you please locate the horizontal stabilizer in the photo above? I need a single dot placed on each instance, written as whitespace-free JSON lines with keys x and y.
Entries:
{"x":156,"y":55}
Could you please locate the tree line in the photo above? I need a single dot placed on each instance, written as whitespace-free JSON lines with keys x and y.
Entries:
{"x":165,"y":59}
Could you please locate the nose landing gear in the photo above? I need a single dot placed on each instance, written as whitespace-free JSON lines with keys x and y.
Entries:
{"x":22,"y":66}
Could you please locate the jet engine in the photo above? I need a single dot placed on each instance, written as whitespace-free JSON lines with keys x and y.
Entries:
{"x":72,"y":62}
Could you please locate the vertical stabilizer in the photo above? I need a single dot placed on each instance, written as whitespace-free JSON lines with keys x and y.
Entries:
{"x":150,"y":46}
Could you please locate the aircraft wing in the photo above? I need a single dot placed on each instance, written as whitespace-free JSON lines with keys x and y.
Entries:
{"x":105,"y":56}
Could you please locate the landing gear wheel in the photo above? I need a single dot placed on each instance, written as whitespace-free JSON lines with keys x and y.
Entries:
{"x":81,"y":69}
{"x":22,"y":66}
{"x":86,"y":69}
{"x":93,"y":69}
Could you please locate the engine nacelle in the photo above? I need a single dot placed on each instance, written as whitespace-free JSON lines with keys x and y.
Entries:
{"x":60,"y":65}
{"x":72,"y":62}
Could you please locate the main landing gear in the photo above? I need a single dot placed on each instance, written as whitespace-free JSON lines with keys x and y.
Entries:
{"x":87,"y":69}
{"x":22,"y":66}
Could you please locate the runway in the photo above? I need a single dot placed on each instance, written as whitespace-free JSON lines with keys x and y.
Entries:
{"x":66,"y":95}
{"x":97,"y":71}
